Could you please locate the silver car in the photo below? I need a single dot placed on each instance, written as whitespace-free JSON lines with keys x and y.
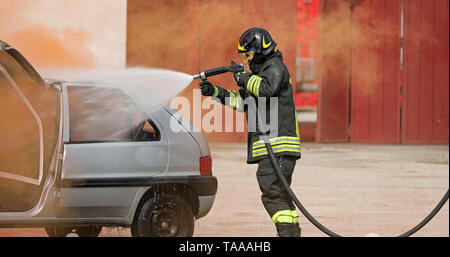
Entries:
{"x":75,"y":157}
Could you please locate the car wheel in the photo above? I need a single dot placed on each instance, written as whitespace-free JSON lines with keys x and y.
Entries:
{"x":164,"y":216}
{"x":83,"y":231}
{"x":134,"y":229}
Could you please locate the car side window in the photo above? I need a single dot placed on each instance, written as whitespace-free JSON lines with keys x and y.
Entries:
{"x":145,"y":128}
{"x":147,"y":131}
{"x":97,"y":115}
{"x":107,"y":115}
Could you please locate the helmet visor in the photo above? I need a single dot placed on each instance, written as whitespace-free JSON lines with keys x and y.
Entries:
{"x":248,"y":56}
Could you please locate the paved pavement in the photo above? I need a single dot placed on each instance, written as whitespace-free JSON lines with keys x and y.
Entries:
{"x":352,"y":189}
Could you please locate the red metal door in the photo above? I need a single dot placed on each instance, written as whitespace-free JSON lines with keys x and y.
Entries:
{"x":425,"y":77}
{"x":395,"y":96}
{"x":334,"y":71}
{"x":375,"y":74}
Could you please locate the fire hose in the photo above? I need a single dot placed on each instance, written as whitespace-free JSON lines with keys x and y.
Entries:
{"x":240,"y":67}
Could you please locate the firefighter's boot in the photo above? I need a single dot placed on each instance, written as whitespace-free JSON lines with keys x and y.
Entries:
{"x":288,"y":229}
{"x":298,"y":230}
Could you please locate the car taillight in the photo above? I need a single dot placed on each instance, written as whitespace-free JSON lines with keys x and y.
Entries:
{"x":206,"y":166}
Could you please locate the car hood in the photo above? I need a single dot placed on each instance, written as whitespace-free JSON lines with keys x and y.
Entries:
{"x":29,"y":112}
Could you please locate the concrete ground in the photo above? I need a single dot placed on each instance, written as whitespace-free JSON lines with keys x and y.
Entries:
{"x":352,"y":189}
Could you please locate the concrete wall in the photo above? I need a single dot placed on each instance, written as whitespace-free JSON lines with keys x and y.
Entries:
{"x":66,"y":33}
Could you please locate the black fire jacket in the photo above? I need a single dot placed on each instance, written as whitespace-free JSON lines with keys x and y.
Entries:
{"x":271,"y":80}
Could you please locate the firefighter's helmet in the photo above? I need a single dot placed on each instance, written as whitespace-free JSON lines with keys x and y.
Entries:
{"x":257,"y":40}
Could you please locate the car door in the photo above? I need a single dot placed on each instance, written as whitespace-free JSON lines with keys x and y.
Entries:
{"x":105,"y":162}
{"x":29,"y":121}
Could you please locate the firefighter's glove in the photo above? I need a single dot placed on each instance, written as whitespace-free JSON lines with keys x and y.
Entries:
{"x":242,"y":78}
{"x":208,"y":89}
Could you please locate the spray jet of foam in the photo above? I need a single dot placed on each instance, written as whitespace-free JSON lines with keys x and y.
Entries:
{"x":148,"y":88}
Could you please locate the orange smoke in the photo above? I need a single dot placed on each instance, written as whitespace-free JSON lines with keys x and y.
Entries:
{"x":43,"y":47}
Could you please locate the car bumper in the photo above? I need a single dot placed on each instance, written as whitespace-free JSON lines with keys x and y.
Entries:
{"x":206,"y":189}
{"x":205,"y":204}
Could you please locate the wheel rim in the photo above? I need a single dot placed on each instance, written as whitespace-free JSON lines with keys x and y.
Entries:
{"x":165,"y":222}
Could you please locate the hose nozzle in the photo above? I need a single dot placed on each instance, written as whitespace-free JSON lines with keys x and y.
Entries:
{"x":201,"y":75}
{"x":234,"y":67}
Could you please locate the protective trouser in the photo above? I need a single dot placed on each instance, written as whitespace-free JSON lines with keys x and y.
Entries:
{"x":275,"y":198}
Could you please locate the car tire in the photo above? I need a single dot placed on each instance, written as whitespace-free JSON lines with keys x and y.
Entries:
{"x":164,"y":216}
{"x":81,"y":231}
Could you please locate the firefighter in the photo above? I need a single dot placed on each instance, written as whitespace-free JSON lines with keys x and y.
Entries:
{"x":269,"y":77}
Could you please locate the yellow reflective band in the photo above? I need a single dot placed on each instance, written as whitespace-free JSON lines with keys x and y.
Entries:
{"x":257,"y":87}
{"x":235,"y":99}
{"x":294,"y":215}
{"x":241,"y":48}
{"x":276,"y":143}
{"x":254,"y":85}
{"x":283,"y":216}
{"x":250,"y":82}
{"x":277,"y":148}
{"x":278,"y":151}
{"x":286,"y":141}
{"x":285,"y":219}
{"x":279,"y":144}
{"x":254,"y":79}
{"x":276,"y":139}
{"x":257,"y":81}
{"x":231,"y":99}
{"x":287,"y":146}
